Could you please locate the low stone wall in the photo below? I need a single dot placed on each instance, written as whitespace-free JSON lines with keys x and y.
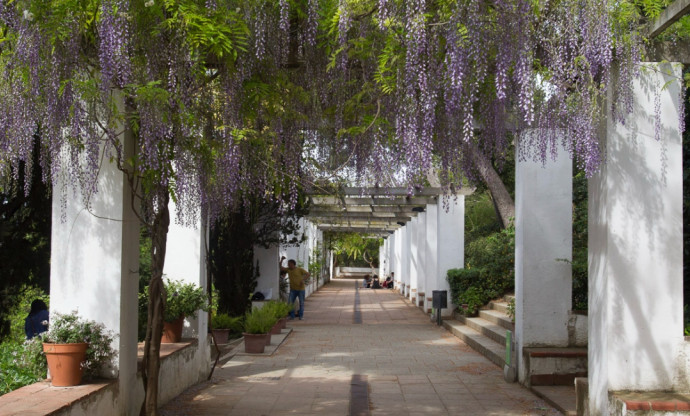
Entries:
{"x":182,"y":366}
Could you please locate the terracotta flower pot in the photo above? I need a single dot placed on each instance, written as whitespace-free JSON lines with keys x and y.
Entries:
{"x":254,"y":343}
{"x":283,"y":323}
{"x":221,"y":335}
{"x":172,"y":331}
{"x":64,"y":363}
{"x":276,"y":329}
{"x":268,"y":338}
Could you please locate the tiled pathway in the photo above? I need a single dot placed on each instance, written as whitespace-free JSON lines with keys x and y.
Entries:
{"x":382,"y":357}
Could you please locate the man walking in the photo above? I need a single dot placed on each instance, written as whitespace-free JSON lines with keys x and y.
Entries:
{"x":297,"y":276}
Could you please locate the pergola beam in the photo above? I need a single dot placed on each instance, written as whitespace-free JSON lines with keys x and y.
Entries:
{"x":671,"y":14}
{"x":348,"y":201}
{"x":360,"y":218}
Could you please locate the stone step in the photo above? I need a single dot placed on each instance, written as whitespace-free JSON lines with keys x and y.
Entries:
{"x":485,"y":346}
{"x":490,"y":330}
{"x":498,"y":318}
{"x":508,"y":298}
{"x":499,"y":306}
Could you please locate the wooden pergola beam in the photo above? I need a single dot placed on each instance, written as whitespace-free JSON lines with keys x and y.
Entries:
{"x":671,"y":14}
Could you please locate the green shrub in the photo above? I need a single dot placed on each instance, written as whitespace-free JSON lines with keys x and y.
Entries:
{"x":259,"y":321}
{"x":225,"y":321}
{"x":461,"y":279}
{"x":14,"y":373}
{"x":279,"y":309}
{"x":473,"y":298}
{"x":489,"y":270}
{"x":494,"y":256}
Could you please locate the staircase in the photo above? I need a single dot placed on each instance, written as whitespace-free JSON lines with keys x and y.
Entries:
{"x":551,"y":371}
{"x":487,"y":332}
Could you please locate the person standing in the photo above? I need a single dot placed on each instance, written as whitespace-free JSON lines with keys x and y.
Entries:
{"x":297,"y":276}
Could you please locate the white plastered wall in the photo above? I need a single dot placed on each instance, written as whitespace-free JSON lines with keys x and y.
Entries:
{"x":94,"y":268}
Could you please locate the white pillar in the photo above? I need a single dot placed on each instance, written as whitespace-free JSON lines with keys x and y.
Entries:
{"x":421,"y":259}
{"x":94,"y":268}
{"x":405,"y":260}
{"x":394,"y":247}
{"x":413,"y":244}
{"x":636,"y":249}
{"x":431,"y":256}
{"x":451,"y":243}
{"x":543,"y":247}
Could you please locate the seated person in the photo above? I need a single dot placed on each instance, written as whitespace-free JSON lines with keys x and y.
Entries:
{"x":37,"y":321}
{"x":375,"y":284}
{"x":367,"y":279}
{"x":388,"y":284}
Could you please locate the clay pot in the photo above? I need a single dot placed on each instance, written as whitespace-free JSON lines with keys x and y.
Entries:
{"x":172,"y":331}
{"x":64,"y":363}
{"x":254,"y":343}
{"x":221,"y":335}
{"x":283,"y":323}
{"x":276,"y":329}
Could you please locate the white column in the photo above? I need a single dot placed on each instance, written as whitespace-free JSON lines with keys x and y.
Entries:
{"x":543,"y":247}
{"x":451,"y":243}
{"x":405,"y":260}
{"x":94,"y":268}
{"x":421,"y":260}
{"x":431,"y":256}
{"x":636,"y":249}
{"x":413,"y":244}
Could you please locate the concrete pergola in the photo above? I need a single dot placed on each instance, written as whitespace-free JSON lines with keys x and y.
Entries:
{"x":635,"y":322}
{"x":378,"y":211}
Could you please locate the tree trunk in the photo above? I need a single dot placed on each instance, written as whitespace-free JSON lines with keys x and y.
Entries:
{"x":157,"y":296}
{"x":503,"y":202}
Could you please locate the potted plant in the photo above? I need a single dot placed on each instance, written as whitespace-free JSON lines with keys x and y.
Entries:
{"x":257,"y":325}
{"x":223,"y":324}
{"x":182,"y":300}
{"x":280,"y":311}
{"x":72,"y":347}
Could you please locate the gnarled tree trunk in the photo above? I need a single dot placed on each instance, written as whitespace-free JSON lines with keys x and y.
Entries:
{"x":157,"y":296}
{"x":503,"y":202}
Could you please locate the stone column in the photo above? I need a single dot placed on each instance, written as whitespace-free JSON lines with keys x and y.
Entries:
{"x":543,"y":247}
{"x":421,"y":259}
{"x":395,"y":257}
{"x":431,"y":256}
{"x":405,"y":261}
{"x":636,"y":249}
{"x":413,"y":244}
{"x":450,"y":243}
{"x":94,"y":268}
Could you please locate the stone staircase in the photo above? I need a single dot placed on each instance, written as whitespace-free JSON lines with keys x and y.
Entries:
{"x":487,"y":332}
{"x":551,"y":370}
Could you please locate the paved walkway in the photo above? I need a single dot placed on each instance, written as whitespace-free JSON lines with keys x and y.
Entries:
{"x":360,"y":352}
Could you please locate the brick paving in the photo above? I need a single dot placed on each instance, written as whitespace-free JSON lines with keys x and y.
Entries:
{"x":395,"y":362}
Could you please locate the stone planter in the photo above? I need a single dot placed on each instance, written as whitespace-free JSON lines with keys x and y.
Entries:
{"x":64,"y":363}
{"x":254,"y":343}
{"x":221,"y":335}
{"x":172,"y":331}
{"x":282,"y":322}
